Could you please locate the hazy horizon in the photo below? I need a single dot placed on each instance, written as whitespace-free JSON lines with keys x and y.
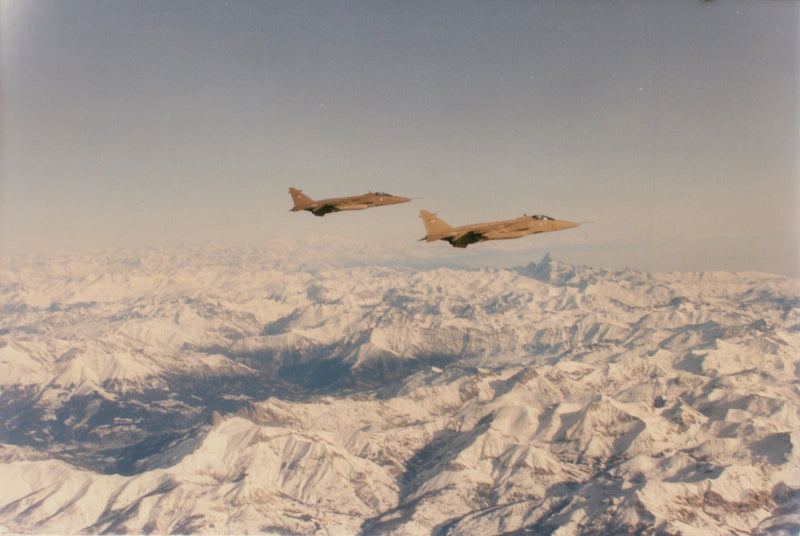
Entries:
{"x":672,"y":126}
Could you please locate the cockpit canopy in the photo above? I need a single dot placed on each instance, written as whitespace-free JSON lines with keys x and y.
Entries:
{"x":384,"y":194}
{"x":541,"y":217}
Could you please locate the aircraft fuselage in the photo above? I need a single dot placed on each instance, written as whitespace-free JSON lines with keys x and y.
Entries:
{"x":338,"y":204}
{"x":465,"y":235}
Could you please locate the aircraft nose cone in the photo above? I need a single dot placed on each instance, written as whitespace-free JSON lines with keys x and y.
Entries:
{"x":570,"y":224}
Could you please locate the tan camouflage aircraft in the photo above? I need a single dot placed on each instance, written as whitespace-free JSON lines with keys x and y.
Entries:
{"x":463,"y":236}
{"x":357,"y":202}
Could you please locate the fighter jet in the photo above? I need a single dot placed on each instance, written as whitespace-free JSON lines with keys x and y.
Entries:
{"x":356,"y":202}
{"x":463,"y":236}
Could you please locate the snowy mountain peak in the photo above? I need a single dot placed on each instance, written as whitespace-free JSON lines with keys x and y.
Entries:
{"x":216,"y":390}
{"x":554,"y":272}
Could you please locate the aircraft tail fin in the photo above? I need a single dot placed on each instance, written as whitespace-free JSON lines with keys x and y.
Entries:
{"x":434,"y":225}
{"x":301,"y":200}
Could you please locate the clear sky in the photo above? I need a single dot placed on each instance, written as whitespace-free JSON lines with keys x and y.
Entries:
{"x":672,"y":125}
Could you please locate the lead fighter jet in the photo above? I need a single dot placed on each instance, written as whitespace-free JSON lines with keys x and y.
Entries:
{"x":356,"y":202}
{"x":465,"y":235}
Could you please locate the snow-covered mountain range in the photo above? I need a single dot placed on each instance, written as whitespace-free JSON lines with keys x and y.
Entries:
{"x":214,"y":390}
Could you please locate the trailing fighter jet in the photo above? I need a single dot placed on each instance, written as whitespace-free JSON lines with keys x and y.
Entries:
{"x":465,"y":235}
{"x":356,"y":202}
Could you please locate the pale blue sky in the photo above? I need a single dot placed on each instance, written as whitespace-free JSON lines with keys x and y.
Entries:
{"x":673,"y":125}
